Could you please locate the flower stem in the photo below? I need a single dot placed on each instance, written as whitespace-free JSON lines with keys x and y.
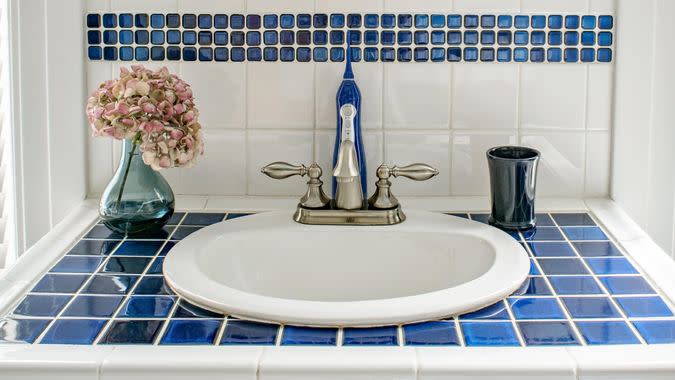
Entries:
{"x":134,"y":144}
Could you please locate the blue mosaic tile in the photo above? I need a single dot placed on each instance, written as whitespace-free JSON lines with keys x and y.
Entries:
{"x":188,"y":310}
{"x":536,"y":308}
{"x":496,"y":311}
{"x":191,"y":332}
{"x":489,"y":334}
{"x":157,"y":21}
{"x":547,"y":333}
{"x":93,"y":306}
{"x":552,"y":249}
{"x":308,"y":336}
{"x":132,"y":332}
{"x":572,"y":22}
{"x":644,"y":307}
{"x":147,"y":307}
{"x":375,"y":336}
{"x":430,"y":334}
{"x":21,"y":330}
{"x":110,"y":284}
{"x":73,"y":331}
{"x":534,"y":286}
{"x":627,"y":285}
{"x":77,"y":264}
{"x":562,"y":266}
{"x":604,"y":333}
{"x":597,"y":249}
{"x":126,"y":265}
{"x":656,"y":332}
{"x":590,"y":307}
{"x":172,"y":20}
{"x":570,"y":285}
{"x":35,"y":305}
{"x":606,"y":22}
{"x":59,"y":283}
{"x":611,"y":265}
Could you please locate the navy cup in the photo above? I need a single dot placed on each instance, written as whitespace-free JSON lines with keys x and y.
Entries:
{"x":513,"y":182}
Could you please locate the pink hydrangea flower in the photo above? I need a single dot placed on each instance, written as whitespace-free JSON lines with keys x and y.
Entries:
{"x":156,"y":109}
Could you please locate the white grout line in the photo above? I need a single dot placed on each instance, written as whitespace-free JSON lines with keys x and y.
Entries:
{"x":400,"y":336}
{"x":280,"y":334}
{"x":458,"y":331}
{"x":339,"y":340}
{"x":221,"y":331}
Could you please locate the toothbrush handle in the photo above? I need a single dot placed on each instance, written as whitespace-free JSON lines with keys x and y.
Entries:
{"x":281,"y":170}
{"x":417,"y":172}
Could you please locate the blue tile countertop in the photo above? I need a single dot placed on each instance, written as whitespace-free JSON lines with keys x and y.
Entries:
{"x":109,"y":289}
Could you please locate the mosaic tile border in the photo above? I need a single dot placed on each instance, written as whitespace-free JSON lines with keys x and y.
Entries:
{"x":321,"y":37}
{"x":108,"y":289}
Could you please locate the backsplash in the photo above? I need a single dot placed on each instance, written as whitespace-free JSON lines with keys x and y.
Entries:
{"x":441,"y":83}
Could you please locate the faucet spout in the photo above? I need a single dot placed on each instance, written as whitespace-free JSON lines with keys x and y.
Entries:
{"x":348,"y":195}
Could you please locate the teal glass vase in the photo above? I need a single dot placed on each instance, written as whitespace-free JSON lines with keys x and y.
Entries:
{"x":138,"y":198}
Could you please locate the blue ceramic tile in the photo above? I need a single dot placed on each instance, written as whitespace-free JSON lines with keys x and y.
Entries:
{"x":454,"y":54}
{"x":454,"y":38}
{"x":109,"y":20}
{"x":504,"y":37}
{"x":102,"y":232}
{"x":287,"y":21}
{"x":521,"y":38}
{"x":189,"y":38}
{"x":405,"y":21}
{"x":421,"y":21}
{"x":252,"y":39}
{"x":488,"y":21}
{"x":454,"y":21}
{"x":604,"y":55}
{"x":643,"y":307}
{"x":487,"y":37}
{"x":555,"y":38}
{"x":571,"y":38}
{"x":126,"y":20}
{"x":303,"y":37}
{"x":154,"y":285}
{"x":173,"y":20}
{"x":611,"y":265}
{"x":337,"y":37}
{"x":543,"y":234}
{"x":188,"y":310}
{"x":537,"y":55}
{"x":157,"y":53}
{"x":189,"y":21}
{"x":536,"y":308}
{"x":555,"y":21}
{"x":320,"y":20}
{"x":437,"y":37}
{"x":470,"y":21}
{"x":147,"y":307}
{"x":239,"y":332}
{"x":370,"y":54}
{"x":538,"y":22}
{"x":489,"y":334}
{"x":354,"y":20}
{"x":206,"y":38}
{"x":253,"y":21}
{"x":438,"y":54}
{"x":287,"y":54}
{"x":504,"y":55}
{"x":495,"y":311}
{"x":132,"y":332}
{"x":597,"y":249}
{"x":157,"y":20}
{"x":157,"y":37}
{"x":173,"y":53}
{"x":138,"y":248}
{"x":431,"y":334}
{"x":538,"y":38}
{"x":571,"y":55}
{"x":337,"y":20}
{"x":562,"y":266}
{"x":505,"y":21}
{"x":110,"y":284}
{"x":437,"y":21}
{"x":77,"y":264}
{"x":534,"y":271}
{"x":588,"y":38}
{"x":93,"y":37}
{"x":294,"y":336}
{"x":93,"y":20}
{"x":126,"y":53}
{"x":35,"y":305}
{"x":206,"y":54}
{"x":191,"y":332}
{"x":142,"y":37}
{"x":547,"y":333}
{"x":404,"y":54}
{"x":606,"y":22}
{"x":572,"y":22}
{"x":221,"y":38}
{"x":590,"y":307}
{"x":95,"y":53}
{"x":522,"y":22}
{"x":93,"y":306}
{"x":375,"y":336}
{"x":183,"y":232}
{"x":173,"y":37}
{"x":303,"y":54}
{"x":570,"y":285}
{"x":587,"y":55}
{"x":142,"y":53}
{"x":320,"y":37}
{"x":221,"y":55}
{"x":605,"y":39}
{"x":471,"y":37}
{"x":270,"y":38}
{"x":21,"y":330}
{"x":574,"y":219}
{"x":421,"y":54}
{"x":270,"y":21}
{"x":421,"y":37}
{"x":610,"y":332}
{"x":627,"y":285}
{"x":237,"y":54}
{"x":59,"y":283}
{"x":73,"y":331}
{"x":588,"y":22}
{"x":656,"y":332}
{"x":205,"y":21}
{"x":270,"y":54}
{"x":552,"y":249}
{"x":534,"y":286}
{"x":126,"y":265}
{"x":110,"y":54}
{"x":157,"y":266}
{"x":404,"y":37}
{"x":521,"y":55}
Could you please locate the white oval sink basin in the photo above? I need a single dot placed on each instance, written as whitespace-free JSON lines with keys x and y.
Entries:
{"x":268,"y":267}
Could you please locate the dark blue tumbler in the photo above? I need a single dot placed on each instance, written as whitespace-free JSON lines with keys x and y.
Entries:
{"x":513,"y":181}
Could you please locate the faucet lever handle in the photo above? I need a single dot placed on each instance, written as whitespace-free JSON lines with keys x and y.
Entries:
{"x":383,"y":198}
{"x":281,"y":170}
{"x":314,"y":196}
{"x":417,"y":172}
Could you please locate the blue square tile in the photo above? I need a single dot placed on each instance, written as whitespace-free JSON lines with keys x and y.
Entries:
{"x":77,"y":264}
{"x":353,"y":20}
{"x":93,"y":37}
{"x":303,"y":336}
{"x":536,"y":308}
{"x":588,"y":55}
{"x":21,"y":330}
{"x":571,"y":38}
{"x":521,"y":54}
{"x":173,"y":37}
{"x":157,"y":20}
{"x":337,"y":37}
{"x":543,"y":234}
{"x":126,"y":20}
{"x":287,"y":54}
{"x":421,"y":21}
{"x":206,"y":38}
{"x":489,"y":334}
{"x":437,"y":21}
{"x":555,"y":38}
{"x":644,"y":307}
{"x":605,"y":22}
{"x":321,"y":54}
{"x":590,"y":307}
{"x":142,"y":20}
{"x":95,"y":53}
{"x":421,"y":37}
{"x":109,"y":20}
{"x":470,"y":21}
{"x":147,"y":307}
{"x":287,"y":37}
{"x":303,"y":54}
{"x":270,"y":37}
{"x":611,"y":265}
{"x":437,"y":37}
{"x":110,"y":284}
{"x":537,"y":55}
{"x":303,"y":37}
{"x":320,"y":20}
{"x":574,"y":219}
{"x":126,"y":53}
{"x":521,"y":38}
{"x":405,"y":21}
{"x":627,"y":285}
{"x":588,"y":38}
{"x":522,"y":22}
{"x":287,"y":21}
{"x":189,"y":37}
{"x":538,"y":22}
{"x":605,"y":39}
{"x":93,"y":247}
{"x":454,"y":21}
{"x":270,"y":21}
{"x":127,"y":265}
{"x":604,"y":55}
{"x":404,"y":37}
{"x":538,"y":38}
{"x":597,"y":249}
{"x":562,"y":266}
{"x":221,"y":38}
{"x":253,"y":21}
{"x":169,"y":244}
{"x":504,"y":55}
{"x":304,"y":20}
{"x":431,"y":334}
{"x":173,"y":20}
{"x":387,"y":55}
{"x":487,"y":37}
{"x":454,"y":38}
{"x":173,"y":53}
{"x":221,"y":21}
{"x":544,"y":220}
{"x":375,"y":336}
{"x":370,"y":54}
{"x":138,"y":248}
{"x":221,"y":55}
{"x":157,"y":37}
{"x":59,"y":283}
{"x":237,"y":21}
{"x":552,"y":249}
{"x":604,"y":333}
{"x":488,"y":21}
{"x":73,"y":331}
{"x":239,"y":332}
{"x":470,"y":37}
{"x":438,"y":54}
{"x":505,"y":21}
{"x":504,"y":37}
{"x":153,"y":285}
{"x":571,"y":285}
{"x":555,"y":21}
{"x":183,"y":232}
{"x":132,"y":332}
{"x":588,"y":22}
{"x":35,"y":305}
{"x":110,"y":37}
{"x":495,"y":311}
{"x":93,"y":306}
{"x":421,"y":54}
{"x":572,"y":22}
{"x":320,"y":37}
{"x":93,"y":20}
{"x":534,"y":286}
{"x":188,"y":310}
{"x":337,"y":20}
{"x":571,"y":55}
{"x":547,"y":333}
{"x":656,"y":332}
{"x":253,"y":38}
{"x":404,"y":55}
{"x":191,"y":332}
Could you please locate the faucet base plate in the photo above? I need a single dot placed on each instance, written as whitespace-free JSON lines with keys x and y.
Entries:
{"x":349,"y":217}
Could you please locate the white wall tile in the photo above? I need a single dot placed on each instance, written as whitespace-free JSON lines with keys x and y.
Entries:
{"x":222,"y":169}
{"x":368,"y":77}
{"x":405,"y":148}
{"x":600,"y":94}
{"x":97,"y":5}
{"x":566,"y":6}
{"x":280,"y":95}
{"x":487,"y":5}
{"x":598,"y":156}
{"x":553,"y":96}
{"x":417,"y":96}
{"x":220,"y":93}
{"x":484,"y":96}
{"x":264,"y":147}
{"x":469,"y":173}
{"x":417,"y":6}
{"x":561,"y":170}
{"x":602,"y":6}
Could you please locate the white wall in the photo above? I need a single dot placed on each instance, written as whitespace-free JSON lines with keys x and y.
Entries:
{"x":644,"y":168}
{"x":444,"y":114}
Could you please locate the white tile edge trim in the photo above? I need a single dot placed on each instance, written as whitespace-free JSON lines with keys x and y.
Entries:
{"x":566,"y":363}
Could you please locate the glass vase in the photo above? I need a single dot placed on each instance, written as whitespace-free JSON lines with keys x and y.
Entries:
{"x":137,"y":198}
